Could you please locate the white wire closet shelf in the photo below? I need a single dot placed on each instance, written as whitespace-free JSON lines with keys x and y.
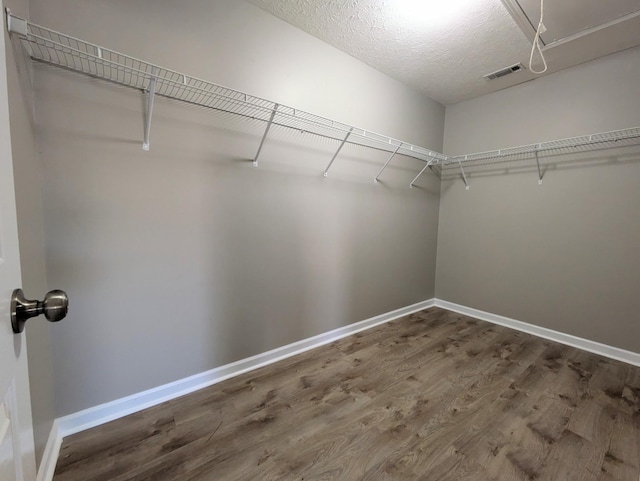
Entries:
{"x":51,"y":47}
{"x":585,"y":143}
{"x":604,"y":140}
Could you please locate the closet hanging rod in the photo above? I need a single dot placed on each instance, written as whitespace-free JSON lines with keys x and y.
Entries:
{"x":55,"y":48}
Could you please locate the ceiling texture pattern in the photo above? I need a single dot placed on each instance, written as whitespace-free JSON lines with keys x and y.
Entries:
{"x":445,"y":53}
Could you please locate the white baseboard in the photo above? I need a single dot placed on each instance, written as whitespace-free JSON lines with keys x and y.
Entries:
{"x":103,"y":413}
{"x":574,"y":341}
{"x":50,"y":455}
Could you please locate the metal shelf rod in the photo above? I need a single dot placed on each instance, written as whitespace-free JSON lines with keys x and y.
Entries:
{"x":419,"y":174}
{"x":539,"y":171}
{"x":464,"y":177}
{"x":264,"y":136}
{"x":387,"y":163}
{"x":326,"y":171}
{"x":149,"y":113}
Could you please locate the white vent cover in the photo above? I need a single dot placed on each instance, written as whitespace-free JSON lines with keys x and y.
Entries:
{"x":505,"y":71}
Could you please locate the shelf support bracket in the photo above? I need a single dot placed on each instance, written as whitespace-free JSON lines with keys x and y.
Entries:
{"x":421,"y":172}
{"x":387,"y":163}
{"x":539,"y":171}
{"x":326,"y":171}
{"x":149,"y":113}
{"x":264,"y":136}
{"x":464,"y":176}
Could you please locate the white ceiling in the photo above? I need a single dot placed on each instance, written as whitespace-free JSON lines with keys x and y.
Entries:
{"x":445,"y":54}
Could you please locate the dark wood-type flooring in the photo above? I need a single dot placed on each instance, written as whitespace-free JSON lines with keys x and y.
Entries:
{"x":433,"y":396}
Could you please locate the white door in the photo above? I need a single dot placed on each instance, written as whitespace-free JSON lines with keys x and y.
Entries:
{"x":17,"y":460}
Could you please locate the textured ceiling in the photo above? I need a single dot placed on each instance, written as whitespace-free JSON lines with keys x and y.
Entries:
{"x":443,"y":54}
{"x":444,"y":59}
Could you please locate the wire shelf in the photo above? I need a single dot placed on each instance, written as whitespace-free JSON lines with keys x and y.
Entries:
{"x":523,"y":154}
{"x":585,"y":143}
{"x":51,"y":47}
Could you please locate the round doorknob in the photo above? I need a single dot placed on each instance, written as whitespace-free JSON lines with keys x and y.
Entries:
{"x":54,"y":307}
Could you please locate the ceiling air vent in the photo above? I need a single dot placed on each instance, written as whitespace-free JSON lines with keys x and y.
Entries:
{"x":505,"y":71}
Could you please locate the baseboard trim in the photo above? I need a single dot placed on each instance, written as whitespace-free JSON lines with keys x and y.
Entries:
{"x":103,"y":413}
{"x":50,"y":455}
{"x":574,"y":341}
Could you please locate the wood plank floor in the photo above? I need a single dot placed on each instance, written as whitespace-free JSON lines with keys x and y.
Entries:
{"x":433,"y":396}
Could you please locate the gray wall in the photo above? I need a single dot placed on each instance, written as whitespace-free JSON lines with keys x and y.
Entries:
{"x":27,"y":176}
{"x":185,"y":258}
{"x":563,"y":255}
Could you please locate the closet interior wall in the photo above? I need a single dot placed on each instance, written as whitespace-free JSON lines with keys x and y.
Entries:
{"x":564,"y":254}
{"x":187,"y":257}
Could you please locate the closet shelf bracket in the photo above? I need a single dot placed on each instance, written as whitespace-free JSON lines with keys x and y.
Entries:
{"x":264,"y":136}
{"x":538,"y":165}
{"x":428,"y":165}
{"x":150,"y":99}
{"x":464,"y":176}
{"x":344,"y":141}
{"x":387,"y":163}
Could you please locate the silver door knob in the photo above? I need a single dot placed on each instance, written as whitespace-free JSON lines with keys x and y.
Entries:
{"x":54,"y":307}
